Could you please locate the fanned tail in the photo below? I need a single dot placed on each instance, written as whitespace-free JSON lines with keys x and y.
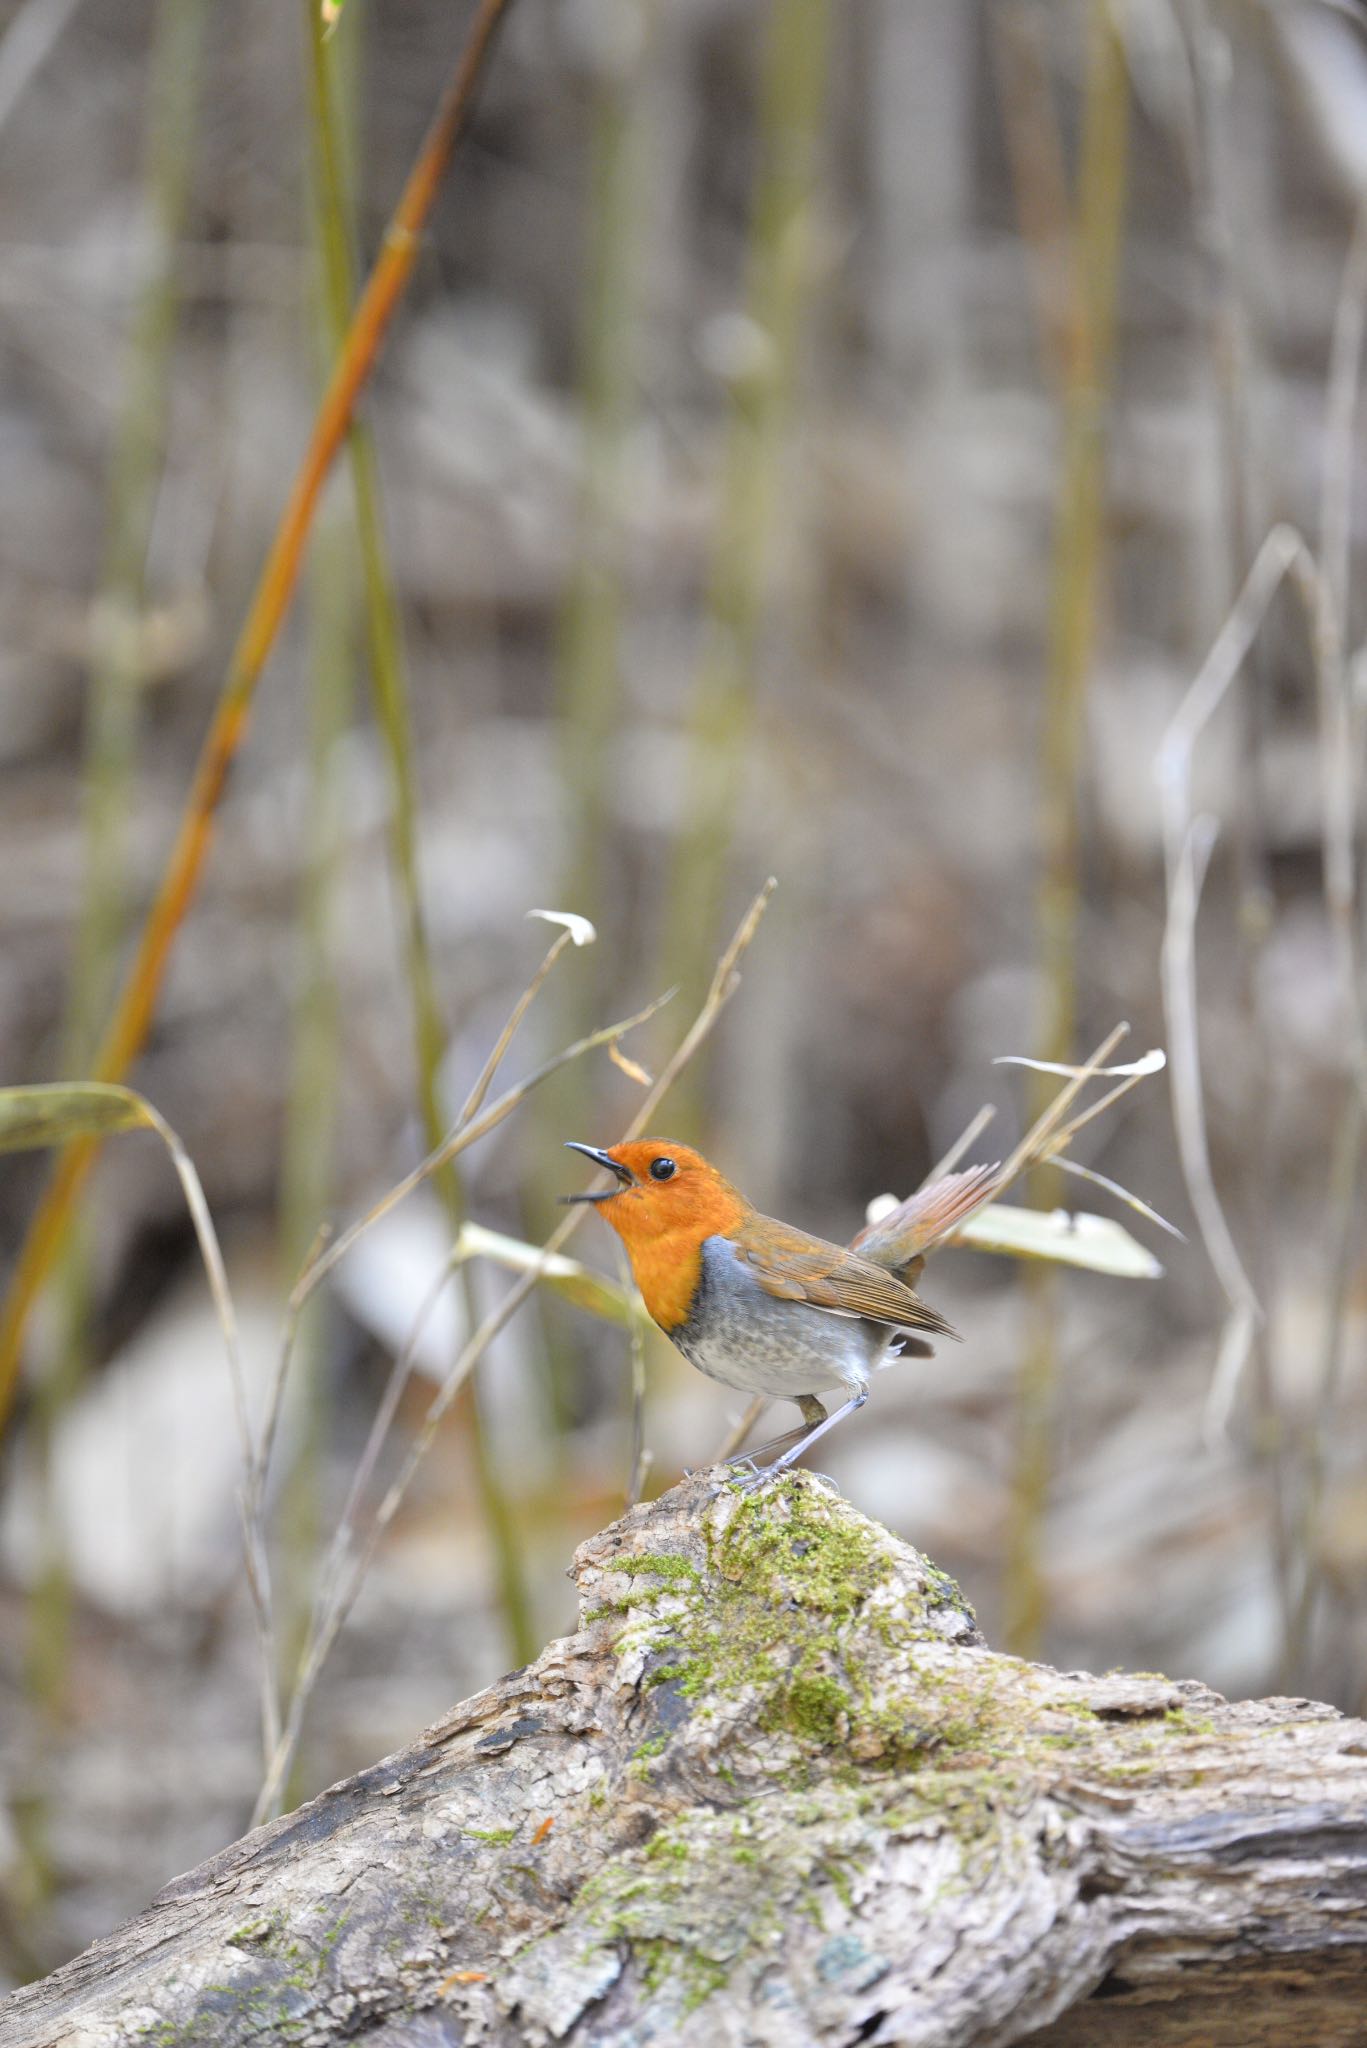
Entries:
{"x":900,"y":1241}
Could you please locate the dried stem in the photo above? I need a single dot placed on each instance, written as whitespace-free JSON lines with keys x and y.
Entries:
{"x":137,"y":1004}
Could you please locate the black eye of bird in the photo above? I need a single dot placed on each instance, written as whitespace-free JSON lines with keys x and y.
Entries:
{"x":662,"y":1169}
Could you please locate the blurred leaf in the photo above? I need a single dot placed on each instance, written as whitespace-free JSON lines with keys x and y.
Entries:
{"x":579,"y":1284}
{"x":1151,"y":1063}
{"x":1097,"y":1243}
{"x":53,"y":1113}
{"x":579,"y":928}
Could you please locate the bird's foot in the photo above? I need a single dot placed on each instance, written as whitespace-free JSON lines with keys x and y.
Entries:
{"x":756,"y":1477}
{"x":759,"y":1476}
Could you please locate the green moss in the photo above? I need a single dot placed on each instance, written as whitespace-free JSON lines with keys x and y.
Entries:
{"x":499,"y":1837}
{"x":1181,"y":1722}
{"x":813,"y":1707}
{"x":661,"y":1565}
{"x":873,"y":1727}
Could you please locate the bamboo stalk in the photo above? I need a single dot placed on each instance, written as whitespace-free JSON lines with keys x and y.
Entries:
{"x":133,"y":1013}
{"x":1078,"y":554}
{"x":720,"y":717}
{"x":112,"y":709}
{"x":390,"y":697}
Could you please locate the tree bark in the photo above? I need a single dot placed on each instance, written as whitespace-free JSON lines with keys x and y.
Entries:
{"x":776,"y":1791}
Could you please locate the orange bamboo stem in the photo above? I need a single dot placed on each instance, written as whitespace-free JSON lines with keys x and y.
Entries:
{"x":127,"y":1028}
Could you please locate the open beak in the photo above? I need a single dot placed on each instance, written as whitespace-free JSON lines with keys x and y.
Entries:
{"x":625,"y":1177}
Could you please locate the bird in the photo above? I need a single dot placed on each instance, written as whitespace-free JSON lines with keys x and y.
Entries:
{"x":764,"y":1307}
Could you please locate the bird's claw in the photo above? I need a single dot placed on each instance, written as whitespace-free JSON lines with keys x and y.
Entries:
{"x":755,"y":1478}
{"x":760,"y":1475}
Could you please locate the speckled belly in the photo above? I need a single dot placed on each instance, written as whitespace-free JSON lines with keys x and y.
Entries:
{"x":747,"y":1339}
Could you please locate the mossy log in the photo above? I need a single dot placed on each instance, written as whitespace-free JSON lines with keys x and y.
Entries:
{"x":776,"y":1791}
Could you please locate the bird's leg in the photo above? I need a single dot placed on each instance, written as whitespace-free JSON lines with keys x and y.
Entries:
{"x":756,"y":1479}
{"x":812,"y":1414}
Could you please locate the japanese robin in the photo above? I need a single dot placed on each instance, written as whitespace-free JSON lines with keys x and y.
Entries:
{"x":764,"y":1307}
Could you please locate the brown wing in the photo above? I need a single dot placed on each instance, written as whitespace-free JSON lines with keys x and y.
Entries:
{"x":792,"y":1266}
{"x":902,"y":1238}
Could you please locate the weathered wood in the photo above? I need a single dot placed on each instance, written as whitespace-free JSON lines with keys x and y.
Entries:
{"x":776,"y":1791}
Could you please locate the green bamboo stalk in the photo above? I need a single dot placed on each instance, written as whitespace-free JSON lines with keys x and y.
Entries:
{"x":307,"y":1166}
{"x":389,"y":686}
{"x":307,"y":1186}
{"x":590,"y":655}
{"x":589,"y":667}
{"x":135,"y":473}
{"x":1079,"y":544}
{"x":721,"y":714}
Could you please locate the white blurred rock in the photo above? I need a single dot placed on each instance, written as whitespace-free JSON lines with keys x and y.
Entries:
{"x":146,"y":1463}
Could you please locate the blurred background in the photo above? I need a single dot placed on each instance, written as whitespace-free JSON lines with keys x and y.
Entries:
{"x":823,"y":438}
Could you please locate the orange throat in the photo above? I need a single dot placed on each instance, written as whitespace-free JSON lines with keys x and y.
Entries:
{"x":667,"y":1271}
{"x":664,"y":1239}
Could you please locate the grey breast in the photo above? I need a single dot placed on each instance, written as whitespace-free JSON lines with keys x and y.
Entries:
{"x":746,"y":1338}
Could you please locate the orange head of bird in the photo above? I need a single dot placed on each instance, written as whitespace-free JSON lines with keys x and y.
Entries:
{"x":662,"y":1191}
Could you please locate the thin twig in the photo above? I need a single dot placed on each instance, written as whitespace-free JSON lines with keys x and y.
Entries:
{"x":317,"y":1269}
{"x":1340,"y":742}
{"x":463,"y":1135}
{"x":969,"y":1135}
{"x":640,"y":1460}
{"x":475,"y":1098}
{"x":1188,"y":846}
{"x":739,"y":1431}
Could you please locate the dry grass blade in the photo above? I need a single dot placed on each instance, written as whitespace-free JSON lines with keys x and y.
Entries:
{"x":737,"y":1434}
{"x":968,"y":1199}
{"x":1179,"y":1001}
{"x":969,"y":1135}
{"x":1280,"y":552}
{"x":1034,"y":1145}
{"x":464,"y":1135}
{"x":1189,"y":842}
{"x":1113,"y":1187}
{"x":1064,"y":1137}
{"x":399,"y":1376}
{"x":506,"y":1036}
{"x":1342,"y":708}
{"x":724,"y":984}
{"x":579,"y":1284}
{"x":60,"y":1112}
{"x":137,"y":1004}
{"x":322,"y":1261}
